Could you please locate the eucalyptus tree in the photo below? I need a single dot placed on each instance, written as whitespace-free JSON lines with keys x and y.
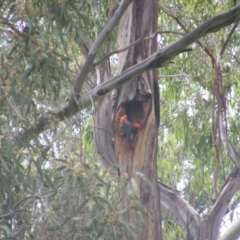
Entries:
{"x":59,"y":65}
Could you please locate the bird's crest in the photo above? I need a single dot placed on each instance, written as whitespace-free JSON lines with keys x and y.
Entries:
{"x":123,"y":118}
{"x":136,"y":125}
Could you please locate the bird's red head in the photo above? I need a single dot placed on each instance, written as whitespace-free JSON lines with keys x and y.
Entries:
{"x":136,"y":125}
{"x":124,"y":119}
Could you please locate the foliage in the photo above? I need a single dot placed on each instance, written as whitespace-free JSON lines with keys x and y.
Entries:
{"x":172,"y":230}
{"x":187,"y":157}
{"x":58,"y":195}
{"x":54,"y":187}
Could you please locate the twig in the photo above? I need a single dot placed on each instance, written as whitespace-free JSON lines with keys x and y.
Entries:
{"x":14,"y":109}
{"x":134,"y":43}
{"x":229,"y":37}
{"x":12,"y":26}
{"x":12,"y":213}
{"x":205,"y":49}
{"x":8,"y":31}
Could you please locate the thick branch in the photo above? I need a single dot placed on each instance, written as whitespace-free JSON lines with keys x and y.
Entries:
{"x":231,"y":186}
{"x":174,"y":207}
{"x":203,"y":29}
{"x":233,"y":232}
{"x":96,"y":46}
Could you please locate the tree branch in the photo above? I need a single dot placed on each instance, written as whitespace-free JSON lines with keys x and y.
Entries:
{"x":174,"y":207}
{"x":173,"y":15}
{"x":229,"y":37}
{"x":133,"y":44}
{"x":160,"y":59}
{"x":233,"y":232}
{"x":231,"y":186}
{"x":96,"y":46}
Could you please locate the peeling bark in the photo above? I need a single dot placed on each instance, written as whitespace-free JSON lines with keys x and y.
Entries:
{"x":139,"y":100}
{"x":102,"y":134}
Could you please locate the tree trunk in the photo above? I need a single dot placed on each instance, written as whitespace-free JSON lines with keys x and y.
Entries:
{"x":139,"y":100}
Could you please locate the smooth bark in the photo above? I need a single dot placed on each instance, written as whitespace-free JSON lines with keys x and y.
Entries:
{"x":197,"y":227}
